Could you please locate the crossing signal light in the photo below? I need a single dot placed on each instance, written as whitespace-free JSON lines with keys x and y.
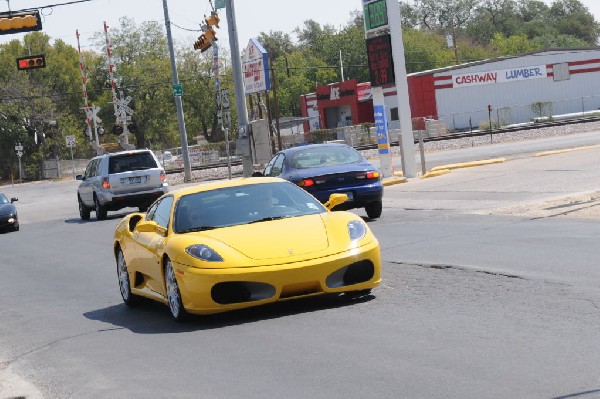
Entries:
{"x":31,"y":62}
{"x":118,"y":130}
{"x":17,"y":22}
{"x":208,"y":35}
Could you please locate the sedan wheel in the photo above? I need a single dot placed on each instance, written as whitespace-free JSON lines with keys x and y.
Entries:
{"x":374,"y":209}
{"x":84,"y":212}
{"x":173,"y":294}
{"x":124,"y":282}
{"x":100,"y":210}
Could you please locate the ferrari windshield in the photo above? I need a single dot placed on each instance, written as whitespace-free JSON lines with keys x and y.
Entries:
{"x":242,"y":204}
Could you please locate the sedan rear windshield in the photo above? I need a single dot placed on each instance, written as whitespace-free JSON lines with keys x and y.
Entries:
{"x":129,"y":162}
{"x":325,"y":156}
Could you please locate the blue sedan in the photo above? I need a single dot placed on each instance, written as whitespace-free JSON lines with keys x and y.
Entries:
{"x":324,"y":169}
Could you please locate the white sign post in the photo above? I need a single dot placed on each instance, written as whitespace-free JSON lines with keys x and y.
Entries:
{"x":19,"y":150}
{"x":71,"y":143}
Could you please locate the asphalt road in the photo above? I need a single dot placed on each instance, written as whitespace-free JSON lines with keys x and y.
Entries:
{"x":481,"y":297}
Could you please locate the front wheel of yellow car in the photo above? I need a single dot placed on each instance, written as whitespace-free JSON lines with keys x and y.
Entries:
{"x":173,"y":294}
{"x":124,"y":282}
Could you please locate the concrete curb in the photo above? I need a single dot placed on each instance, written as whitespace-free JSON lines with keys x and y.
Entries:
{"x":545,"y":153}
{"x":390,"y":181}
{"x":434,"y":173}
{"x":468,"y":164}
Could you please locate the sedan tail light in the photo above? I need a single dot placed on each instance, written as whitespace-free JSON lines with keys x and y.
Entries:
{"x":105,"y":183}
{"x":306,"y":183}
{"x":368,"y":175}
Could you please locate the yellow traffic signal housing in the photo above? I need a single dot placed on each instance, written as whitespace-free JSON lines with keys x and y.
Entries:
{"x":17,"y":22}
{"x":208,"y":35}
{"x":205,"y":40}
{"x":31,"y":62}
{"x":212,"y":20}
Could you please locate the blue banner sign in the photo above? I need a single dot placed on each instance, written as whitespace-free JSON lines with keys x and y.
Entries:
{"x":383,"y":139}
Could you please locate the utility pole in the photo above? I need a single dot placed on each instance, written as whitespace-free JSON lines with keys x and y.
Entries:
{"x":406,"y":133}
{"x":243,"y":141}
{"x":187,"y":170}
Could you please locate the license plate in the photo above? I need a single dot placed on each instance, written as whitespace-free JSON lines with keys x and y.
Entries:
{"x":350,"y":196}
{"x":134,"y":180}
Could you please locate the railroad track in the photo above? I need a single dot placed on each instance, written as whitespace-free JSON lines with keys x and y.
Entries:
{"x":459,"y":135}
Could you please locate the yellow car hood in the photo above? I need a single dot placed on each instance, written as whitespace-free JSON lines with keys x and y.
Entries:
{"x":285,"y":238}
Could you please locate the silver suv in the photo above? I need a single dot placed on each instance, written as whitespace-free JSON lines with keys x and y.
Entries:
{"x":118,"y":180}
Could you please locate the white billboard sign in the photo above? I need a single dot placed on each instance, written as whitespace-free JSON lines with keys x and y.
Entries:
{"x":255,"y":64}
{"x":499,"y":76}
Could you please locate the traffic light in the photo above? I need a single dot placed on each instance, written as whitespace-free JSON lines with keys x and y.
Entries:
{"x":208,"y":35}
{"x":16,"y":22}
{"x":31,"y":62}
{"x":212,"y":20}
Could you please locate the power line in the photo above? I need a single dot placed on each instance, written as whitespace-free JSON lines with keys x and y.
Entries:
{"x":53,"y":5}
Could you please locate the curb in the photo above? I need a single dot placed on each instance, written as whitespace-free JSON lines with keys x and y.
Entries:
{"x":468,"y":164}
{"x":543,"y":154}
{"x":390,"y":181}
{"x":434,"y":173}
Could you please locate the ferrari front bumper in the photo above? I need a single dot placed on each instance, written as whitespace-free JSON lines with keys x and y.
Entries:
{"x":206,"y":291}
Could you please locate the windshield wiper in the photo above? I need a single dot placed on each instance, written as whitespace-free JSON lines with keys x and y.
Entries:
{"x":196,"y":229}
{"x":268,"y":219}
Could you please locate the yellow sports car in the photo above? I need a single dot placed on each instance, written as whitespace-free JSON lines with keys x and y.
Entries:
{"x":229,"y":245}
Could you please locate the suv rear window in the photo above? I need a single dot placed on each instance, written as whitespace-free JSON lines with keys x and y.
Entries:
{"x":129,"y":162}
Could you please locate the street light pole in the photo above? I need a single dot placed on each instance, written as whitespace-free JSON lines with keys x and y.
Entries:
{"x":187,"y":170}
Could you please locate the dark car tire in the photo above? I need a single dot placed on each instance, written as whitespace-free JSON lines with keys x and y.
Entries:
{"x":374,"y":209}
{"x":16,"y":227}
{"x":173,"y":294}
{"x":100,"y":210}
{"x":84,"y":212}
{"x":124,"y":281}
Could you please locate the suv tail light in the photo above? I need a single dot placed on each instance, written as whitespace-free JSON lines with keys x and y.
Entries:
{"x":105,"y":183}
{"x":163,"y":176}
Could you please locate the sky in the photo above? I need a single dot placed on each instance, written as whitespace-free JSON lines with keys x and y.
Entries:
{"x":252,"y":16}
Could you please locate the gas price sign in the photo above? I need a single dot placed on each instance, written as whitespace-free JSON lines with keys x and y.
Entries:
{"x":375,"y":14}
{"x":381,"y":62}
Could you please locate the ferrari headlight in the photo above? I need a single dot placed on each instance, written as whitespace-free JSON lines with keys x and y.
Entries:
{"x":356,"y":230}
{"x":203,"y":252}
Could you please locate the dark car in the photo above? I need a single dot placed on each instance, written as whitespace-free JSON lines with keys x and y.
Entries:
{"x":9,"y":220}
{"x":325,"y":169}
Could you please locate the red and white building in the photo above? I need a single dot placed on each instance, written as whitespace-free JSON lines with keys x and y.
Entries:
{"x":460,"y":96}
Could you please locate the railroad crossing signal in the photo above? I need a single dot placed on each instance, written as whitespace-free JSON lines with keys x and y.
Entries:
{"x":31,"y":62}
{"x":16,"y":22}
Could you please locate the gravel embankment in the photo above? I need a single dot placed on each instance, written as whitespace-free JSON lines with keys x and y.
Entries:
{"x":524,"y":135}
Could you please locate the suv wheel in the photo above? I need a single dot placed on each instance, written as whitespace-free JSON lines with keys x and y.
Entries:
{"x":100,"y":210}
{"x":84,"y":212}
